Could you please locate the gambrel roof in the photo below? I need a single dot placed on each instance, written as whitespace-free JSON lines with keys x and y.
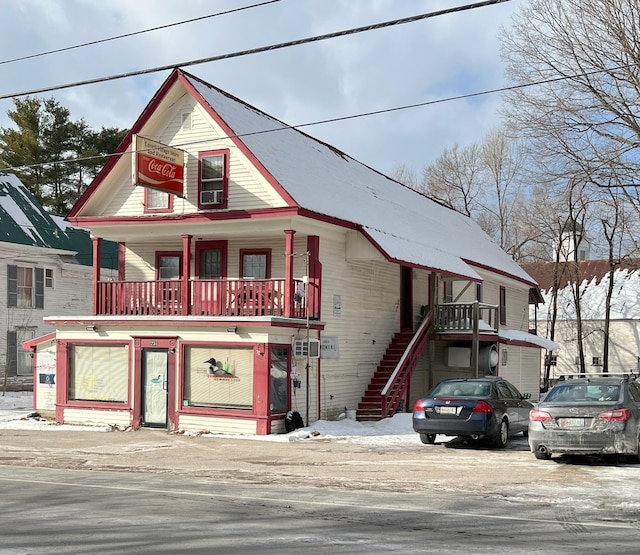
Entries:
{"x":323,"y":182}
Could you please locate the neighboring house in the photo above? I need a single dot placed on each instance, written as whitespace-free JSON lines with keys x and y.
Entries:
{"x":45,"y":269}
{"x":593,"y":277}
{"x":273,"y":273}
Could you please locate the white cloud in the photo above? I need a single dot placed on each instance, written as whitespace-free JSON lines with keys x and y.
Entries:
{"x":435,"y":58}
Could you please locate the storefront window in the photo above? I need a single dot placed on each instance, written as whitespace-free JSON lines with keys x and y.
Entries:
{"x":218,"y":377}
{"x":99,"y":373}
{"x":279,"y":380}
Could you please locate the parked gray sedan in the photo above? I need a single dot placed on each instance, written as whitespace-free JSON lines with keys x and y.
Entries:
{"x":588,"y":416}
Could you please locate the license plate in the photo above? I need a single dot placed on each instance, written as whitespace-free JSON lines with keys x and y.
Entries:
{"x":447,"y":410}
{"x":573,"y":422}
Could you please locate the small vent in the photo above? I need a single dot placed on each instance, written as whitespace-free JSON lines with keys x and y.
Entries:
{"x":186,"y":121}
{"x":300,"y":348}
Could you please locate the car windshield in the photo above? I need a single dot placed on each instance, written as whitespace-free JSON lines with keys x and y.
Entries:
{"x":583,"y":393}
{"x":464,"y":389}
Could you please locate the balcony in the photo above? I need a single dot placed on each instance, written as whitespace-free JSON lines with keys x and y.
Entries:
{"x":223,"y":297}
{"x":466,"y":318}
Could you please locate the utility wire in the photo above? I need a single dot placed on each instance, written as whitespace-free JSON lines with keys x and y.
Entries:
{"x":339,"y":118}
{"x":260,"y":49}
{"x":134,"y":33}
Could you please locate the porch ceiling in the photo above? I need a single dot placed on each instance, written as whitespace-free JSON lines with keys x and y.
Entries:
{"x":170,"y":229}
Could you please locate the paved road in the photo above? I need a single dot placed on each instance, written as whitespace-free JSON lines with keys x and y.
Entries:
{"x":153,"y":492}
{"x":50,"y":511}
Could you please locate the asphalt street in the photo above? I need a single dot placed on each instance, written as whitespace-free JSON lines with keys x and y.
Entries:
{"x":60,"y":511}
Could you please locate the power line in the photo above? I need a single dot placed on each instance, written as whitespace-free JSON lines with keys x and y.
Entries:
{"x":268,"y":48}
{"x":134,"y":33}
{"x":333,"y":120}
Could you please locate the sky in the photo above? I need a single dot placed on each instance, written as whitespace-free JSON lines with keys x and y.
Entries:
{"x":424,"y":61}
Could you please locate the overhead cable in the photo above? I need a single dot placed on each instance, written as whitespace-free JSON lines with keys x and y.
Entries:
{"x":134,"y":33}
{"x":260,"y":49}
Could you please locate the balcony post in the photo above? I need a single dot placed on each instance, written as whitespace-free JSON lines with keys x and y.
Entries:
{"x":288,"y":273}
{"x":185,"y":299}
{"x":97,"y":243}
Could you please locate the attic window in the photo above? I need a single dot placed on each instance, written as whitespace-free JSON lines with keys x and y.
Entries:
{"x":213,"y":179}
{"x":186,"y":121}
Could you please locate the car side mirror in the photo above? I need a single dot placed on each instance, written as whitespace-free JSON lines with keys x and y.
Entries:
{"x":526,"y":395}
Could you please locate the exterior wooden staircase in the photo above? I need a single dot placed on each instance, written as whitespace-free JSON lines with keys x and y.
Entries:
{"x":391,"y":379}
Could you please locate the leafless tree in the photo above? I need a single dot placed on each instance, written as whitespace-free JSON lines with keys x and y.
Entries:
{"x":454,"y":178}
{"x":575,"y":69}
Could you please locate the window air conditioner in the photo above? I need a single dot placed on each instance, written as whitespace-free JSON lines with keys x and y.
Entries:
{"x":300,"y":348}
{"x":211,"y":197}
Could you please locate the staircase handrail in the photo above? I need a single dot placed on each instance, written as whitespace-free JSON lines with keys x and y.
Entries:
{"x":421,"y":332}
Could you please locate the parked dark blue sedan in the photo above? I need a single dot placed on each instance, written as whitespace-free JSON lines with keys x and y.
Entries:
{"x":476,"y":408}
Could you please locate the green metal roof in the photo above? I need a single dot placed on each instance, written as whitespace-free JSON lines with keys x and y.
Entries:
{"x":23,"y":221}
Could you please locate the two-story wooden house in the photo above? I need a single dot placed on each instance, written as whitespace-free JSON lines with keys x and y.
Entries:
{"x":45,"y":268}
{"x":273,"y":273}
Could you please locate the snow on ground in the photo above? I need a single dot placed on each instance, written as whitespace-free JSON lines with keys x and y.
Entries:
{"x":16,"y":410}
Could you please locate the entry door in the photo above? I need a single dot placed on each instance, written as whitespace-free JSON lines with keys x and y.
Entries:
{"x":406,"y":299}
{"x":154,"y":387}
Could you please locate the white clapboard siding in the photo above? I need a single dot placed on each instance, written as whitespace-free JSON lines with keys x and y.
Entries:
{"x":364,"y":324}
{"x":520,"y":360}
{"x":84,"y":417}
{"x":215,"y":425}
{"x":248,"y":189}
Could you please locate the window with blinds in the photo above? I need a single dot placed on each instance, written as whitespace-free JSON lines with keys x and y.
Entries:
{"x":99,"y":373}
{"x":225,"y":382}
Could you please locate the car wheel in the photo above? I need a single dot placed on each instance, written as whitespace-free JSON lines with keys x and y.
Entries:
{"x":428,"y":439}
{"x":501,"y":439}
{"x":635,"y":457}
{"x":542,"y":455}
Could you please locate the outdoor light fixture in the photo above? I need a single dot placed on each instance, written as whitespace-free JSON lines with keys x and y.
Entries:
{"x":232,"y":329}
{"x":91,"y":328}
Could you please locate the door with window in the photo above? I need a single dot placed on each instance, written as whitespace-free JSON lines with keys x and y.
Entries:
{"x":155,"y":387}
{"x":211,"y":271}
{"x":168,"y":273}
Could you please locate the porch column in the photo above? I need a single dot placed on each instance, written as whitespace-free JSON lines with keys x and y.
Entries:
{"x":315,"y":277}
{"x":122,"y":247}
{"x":288,"y":273}
{"x":97,"y":263}
{"x":185,"y":300}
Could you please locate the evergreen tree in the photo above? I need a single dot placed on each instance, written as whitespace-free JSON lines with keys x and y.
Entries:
{"x":55,"y":157}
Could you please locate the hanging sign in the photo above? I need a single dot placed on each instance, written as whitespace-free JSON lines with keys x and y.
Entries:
{"x":158,"y":166}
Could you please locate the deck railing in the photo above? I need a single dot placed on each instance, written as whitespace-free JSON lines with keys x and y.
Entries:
{"x":465,"y":317}
{"x":222,"y":297}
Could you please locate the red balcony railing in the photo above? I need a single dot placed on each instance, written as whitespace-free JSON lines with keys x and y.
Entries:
{"x":224,"y":297}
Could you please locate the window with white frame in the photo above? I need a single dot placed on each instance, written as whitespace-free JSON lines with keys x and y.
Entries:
{"x":48,"y":278}
{"x":596,"y":361}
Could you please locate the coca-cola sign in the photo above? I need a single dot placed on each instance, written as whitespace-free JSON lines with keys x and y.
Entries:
{"x":158,"y":166}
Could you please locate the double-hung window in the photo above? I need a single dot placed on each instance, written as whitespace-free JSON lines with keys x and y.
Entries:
{"x":213,"y":179}
{"x":25,"y":287}
{"x":157,"y":201}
